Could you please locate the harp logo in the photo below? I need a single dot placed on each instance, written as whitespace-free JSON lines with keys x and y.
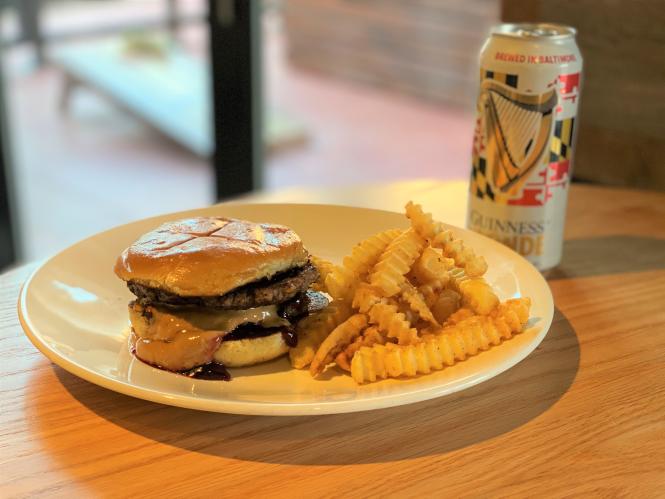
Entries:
{"x":521,"y":152}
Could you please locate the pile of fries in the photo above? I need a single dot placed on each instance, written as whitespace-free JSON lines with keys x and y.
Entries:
{"x":405,"y":302}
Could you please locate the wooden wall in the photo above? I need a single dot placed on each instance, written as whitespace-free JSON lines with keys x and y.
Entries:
{"x":425,"y":48}
{"x":429,"y":49}
{"x":621,"y":137}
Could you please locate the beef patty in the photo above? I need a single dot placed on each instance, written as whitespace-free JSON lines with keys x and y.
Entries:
{"x":280,"y":288}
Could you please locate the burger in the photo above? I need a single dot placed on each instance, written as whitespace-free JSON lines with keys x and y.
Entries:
{"x":213,"y":291}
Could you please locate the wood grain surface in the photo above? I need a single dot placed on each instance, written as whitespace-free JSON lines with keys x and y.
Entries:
{"x":584,"y":415}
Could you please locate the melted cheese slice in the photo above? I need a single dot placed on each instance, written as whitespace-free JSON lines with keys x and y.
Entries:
{"x":164,"y":324}
{"x":181,"y":339}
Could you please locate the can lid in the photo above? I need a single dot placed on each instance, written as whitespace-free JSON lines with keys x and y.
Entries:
{"x":535,"y":31}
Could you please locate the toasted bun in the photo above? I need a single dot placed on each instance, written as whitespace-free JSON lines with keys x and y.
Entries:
{"x":250,"y":351}
{"x":210,"y":256}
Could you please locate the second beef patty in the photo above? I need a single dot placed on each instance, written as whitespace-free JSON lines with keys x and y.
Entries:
{"x":278,"y":289}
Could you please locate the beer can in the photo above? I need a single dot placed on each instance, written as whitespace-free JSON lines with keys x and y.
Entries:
{"x":524,"y":138}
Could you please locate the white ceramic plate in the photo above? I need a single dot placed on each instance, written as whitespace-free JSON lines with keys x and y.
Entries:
{"x":73,"y":308}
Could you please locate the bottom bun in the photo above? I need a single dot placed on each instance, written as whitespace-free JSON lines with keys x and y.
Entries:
{"x":250,"y":351}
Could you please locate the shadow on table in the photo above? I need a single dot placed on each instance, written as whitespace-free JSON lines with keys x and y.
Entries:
{"x":491,"y":409}
{"x":609,"y":255}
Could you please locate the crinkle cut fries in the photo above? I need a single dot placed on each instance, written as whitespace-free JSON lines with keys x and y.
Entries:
{"x":405,"y":302}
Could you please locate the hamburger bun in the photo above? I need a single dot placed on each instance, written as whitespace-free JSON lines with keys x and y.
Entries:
{"x":250,"y":351}
{"x":210,"y":256}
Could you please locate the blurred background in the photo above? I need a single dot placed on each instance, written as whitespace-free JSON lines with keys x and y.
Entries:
{"x":115,"y":110}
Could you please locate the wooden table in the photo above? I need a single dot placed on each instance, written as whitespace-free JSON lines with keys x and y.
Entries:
{"x":584,"y":415}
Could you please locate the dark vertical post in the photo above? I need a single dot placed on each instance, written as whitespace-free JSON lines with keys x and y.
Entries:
{"x":7,"y":235}
{"x":235,"y":43}
{"x":7,"y":250}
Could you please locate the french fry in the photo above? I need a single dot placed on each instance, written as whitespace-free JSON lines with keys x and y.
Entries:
{"x":314,"y":329}
{"x":342,"y":360}
{"x":430,"y":266}
{"x":476,"y":293}
{"x":448,"y":346}
{"x":395,"y":262}
{"x":422,"y":222}
{"x":475,"y":266}
{"x":456,"y":275}
{"x":370,"y":336}
{"x":430,"y":291}
{"x":365,"y":297}
{"x":458,"y":316}
{"x":443,"y":238}
{"x":325,"y":268}
{"x":342,"y":281}
{"x":417,"y":302}
{"x":447,"y":303}
{"x":388,"y":319}
{"x":478,"y":296}
{"x":337,"y":341}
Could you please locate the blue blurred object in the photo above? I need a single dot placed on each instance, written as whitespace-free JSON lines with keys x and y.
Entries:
{"x":162,"y":85}
{"x":170,"y":93}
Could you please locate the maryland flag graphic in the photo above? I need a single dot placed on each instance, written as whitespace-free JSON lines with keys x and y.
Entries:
{"x":517,"y":135}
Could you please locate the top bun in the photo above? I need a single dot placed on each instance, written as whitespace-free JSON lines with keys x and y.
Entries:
{"x":209,"y":256}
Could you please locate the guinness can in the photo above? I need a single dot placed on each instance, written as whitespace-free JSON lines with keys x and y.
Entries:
{"x":524,"y":138}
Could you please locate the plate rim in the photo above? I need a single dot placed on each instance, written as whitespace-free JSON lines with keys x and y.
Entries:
{"x":259,"y":408}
